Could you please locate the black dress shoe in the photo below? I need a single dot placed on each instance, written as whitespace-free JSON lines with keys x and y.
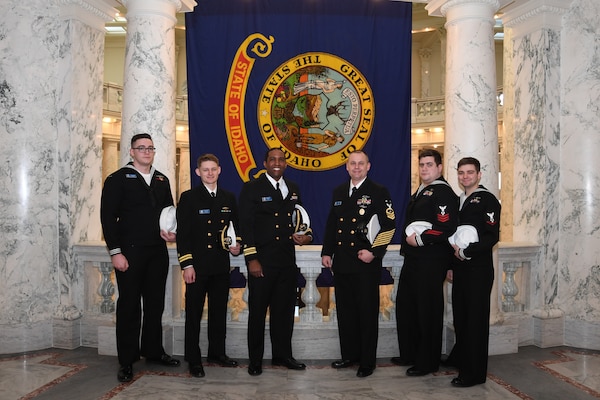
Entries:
{"x":197,"y":370}
{"x":254,"y":369}
{"x":363,"y":372}
{"x":289,"y":363}
{"x":460,"y":382}
{"x":223,"y":361}
{"x":166,"y":360}
{"x":341,"y":364}
{"x":401,"y":361}
{"x":414,"y":371}
{"x":125,"y":373}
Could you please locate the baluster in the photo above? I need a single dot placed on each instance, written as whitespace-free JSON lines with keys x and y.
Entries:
{"x":395,"y":273}
{"x":106,"y":290}
{"x":311,"y":296}
{"x":510,"y":288}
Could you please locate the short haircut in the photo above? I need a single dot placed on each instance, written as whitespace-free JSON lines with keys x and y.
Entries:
{"x":270,"y":150}
{"x":470,"y":161}
{"x":139,"y":136}
{"x":207,"y":157}
{"x":431,"y":153}
{"x":360,"y":152}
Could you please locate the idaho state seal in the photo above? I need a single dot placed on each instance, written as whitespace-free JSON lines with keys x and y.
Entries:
{"x":318,"y":108}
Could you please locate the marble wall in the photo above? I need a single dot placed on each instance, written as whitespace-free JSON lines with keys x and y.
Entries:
{"x":578,"y":264}
{"x":50,"y":122}
{"x":30,"y":52}
{"x":556,"y":178}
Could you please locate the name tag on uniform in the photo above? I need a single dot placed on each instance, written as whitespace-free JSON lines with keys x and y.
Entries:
{"x":130,"y":176}
{"x":225,"y":209}
{"x":204,"y":211}
{"x":266,"y":198}
{"x":337,"y":203}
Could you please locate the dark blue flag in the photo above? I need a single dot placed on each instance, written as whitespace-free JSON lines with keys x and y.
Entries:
{"x":318,"y":79}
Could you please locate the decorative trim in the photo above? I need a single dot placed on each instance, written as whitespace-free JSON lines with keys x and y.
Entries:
{"x":88,"y":11}
{"x":534,"y":16}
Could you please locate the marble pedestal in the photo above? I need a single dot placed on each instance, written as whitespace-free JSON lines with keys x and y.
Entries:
{"x":66,"y":333}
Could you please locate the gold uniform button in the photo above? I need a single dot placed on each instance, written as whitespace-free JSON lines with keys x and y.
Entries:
{"x":289,"y":225}
{"x":289,"y":237}
{"x":352,"y":232}
{"x":277,"y":226}
{"x":351,"y":244}
{"x":209,"y":222}
{"x":289,"y":214}
{"x":353,"y":219}
{"x":342,"y":219}
{"x":210,"y":246}
{"x":222,"y":221}
{"x":209,"y":234}
{"x":277,"y":214}
{"x":339,"y":243}
{"x":276,"y":237}
{"x":339,"y":231}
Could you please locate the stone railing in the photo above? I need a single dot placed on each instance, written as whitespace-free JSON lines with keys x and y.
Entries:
{"x":315,"y":331}
{"x":423,"y":110}
{"x":112,"y":102}
{"x":431,"y":110}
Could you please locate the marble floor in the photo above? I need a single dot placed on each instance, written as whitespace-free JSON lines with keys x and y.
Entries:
{"x":560,"y":373}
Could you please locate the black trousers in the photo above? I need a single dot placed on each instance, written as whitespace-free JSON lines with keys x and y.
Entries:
{"x":420,"y":310}
{"x":217,"y":289}
{"x":471,"y":291}
{"x":143,"y":283}
{"x":275,"y":291}
{"x":357,"y":304}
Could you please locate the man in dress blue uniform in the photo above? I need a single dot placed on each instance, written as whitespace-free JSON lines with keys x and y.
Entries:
{"x":132,"y":201}
{"x":266,"y":207}
{"x":203,"y":217}
{"x":427,"y":258}
{"x":356,"y":261}
{"x":473,"y":276}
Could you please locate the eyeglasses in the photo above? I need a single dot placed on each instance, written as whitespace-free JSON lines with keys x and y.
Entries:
{"x":143,"y":149}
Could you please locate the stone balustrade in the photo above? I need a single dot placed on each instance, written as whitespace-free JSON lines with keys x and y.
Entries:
{"x":315,"y":331}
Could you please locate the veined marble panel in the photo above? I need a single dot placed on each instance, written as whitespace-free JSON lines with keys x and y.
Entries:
{"x":580,"y":177}
{"x":29,"y":53}
{"x":537,"y":153}
{"x":79,"y":153}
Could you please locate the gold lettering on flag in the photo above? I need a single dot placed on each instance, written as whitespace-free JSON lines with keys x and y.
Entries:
{"x":235,"y":95}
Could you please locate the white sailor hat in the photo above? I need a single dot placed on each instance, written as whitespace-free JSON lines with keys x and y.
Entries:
{"x":168,"y":219}
{"x":417,"y":227}
{"x":464,"y":235}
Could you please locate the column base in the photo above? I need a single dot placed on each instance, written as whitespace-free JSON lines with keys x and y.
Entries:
{"x":66,"y":334}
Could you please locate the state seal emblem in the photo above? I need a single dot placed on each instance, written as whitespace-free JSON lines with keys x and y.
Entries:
{"x":318,"y":108}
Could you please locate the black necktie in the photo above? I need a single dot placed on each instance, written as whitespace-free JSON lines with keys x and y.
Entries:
{"x":353,"y":190}
{"x":278,"y":191}
{"x":212,"y":194}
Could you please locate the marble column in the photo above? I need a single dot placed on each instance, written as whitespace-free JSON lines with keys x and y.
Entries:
{"x":50,"y":184}
{"x":536,"y":136}
{"x":470,"y":86}
{"x":149,"y":84}
{"x":470,"y":92}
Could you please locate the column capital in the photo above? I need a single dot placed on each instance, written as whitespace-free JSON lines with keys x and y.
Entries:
{"x":162,"y":7}
{"x":440,"y":8}
{"x":534,"y":15}
{"x":94,"y":13}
